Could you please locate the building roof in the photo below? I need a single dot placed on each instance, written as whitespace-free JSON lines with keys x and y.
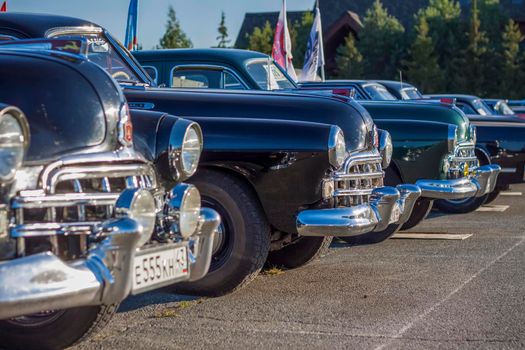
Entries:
{"x":252,"y":20}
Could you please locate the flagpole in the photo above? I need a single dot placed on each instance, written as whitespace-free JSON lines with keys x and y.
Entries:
{"x":321,"y":42}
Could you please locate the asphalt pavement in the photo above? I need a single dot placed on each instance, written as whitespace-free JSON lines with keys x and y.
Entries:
{"x":467,"y":292}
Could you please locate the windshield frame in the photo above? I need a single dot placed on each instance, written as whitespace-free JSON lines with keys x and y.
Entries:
{"x":247,"y":62}
{"x":381,"y":87}
{"x":120,"y":50}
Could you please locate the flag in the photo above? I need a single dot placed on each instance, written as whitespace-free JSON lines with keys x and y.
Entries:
{"x":3,"y":8}
{"x":131,"y":27}
{"x":282,"y":44}
{"x":314,"y":57}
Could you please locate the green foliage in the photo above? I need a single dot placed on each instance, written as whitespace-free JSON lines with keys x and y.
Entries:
{"x":174,"y":37}
{"x":476,"y":54}
{"x":422,"y":67}
{"x":223,"y":37}
{"x":261,"y":39}
{"x":512,"y":76}
{"x":381,"y":43}
{"x":349,"y":60}
{"x":302,"y":32}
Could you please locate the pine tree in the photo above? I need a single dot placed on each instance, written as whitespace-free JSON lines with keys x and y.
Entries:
{"x":223,"y":36}
{"x":261,"y":39}
{"x":302,"y":32}
{"x":512,"y":76}
{"x":422,"y":67}
{"x":381,"y":43}
{"x":174,"y":37}
{"x":475,"y":54}
{"x":349,"y":60}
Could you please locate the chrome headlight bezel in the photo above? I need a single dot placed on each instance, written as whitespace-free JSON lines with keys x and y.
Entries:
{"x":336,"y":147}
{"x":179,"y":148}
{"x":182,"y":208}
{"x":452,"y":137}
{"x":138,"y":205}
{"x":473,"y":134}
{"x":14,"y":115}
{"x":386,"y":148}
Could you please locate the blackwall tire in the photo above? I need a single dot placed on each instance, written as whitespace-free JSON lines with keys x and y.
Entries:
{"x":245,"y":241}
{"x":421,"y":209}
{"x":300,"y":253}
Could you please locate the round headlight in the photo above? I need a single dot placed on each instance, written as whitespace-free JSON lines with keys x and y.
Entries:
{"x":184,"y":203}
{"x":185,"y":149}
{"x":14,"y":138}
{"x":139,"y":205}
{"x":386,"y":148}
{"x":337,"y":147}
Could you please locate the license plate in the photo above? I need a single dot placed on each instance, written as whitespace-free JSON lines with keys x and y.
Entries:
{"x":158,"y":268}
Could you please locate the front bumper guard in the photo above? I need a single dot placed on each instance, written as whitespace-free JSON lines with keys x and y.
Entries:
{"x":481,"y":183}
{"x":388,"y":205}
{"x":43,"y":281}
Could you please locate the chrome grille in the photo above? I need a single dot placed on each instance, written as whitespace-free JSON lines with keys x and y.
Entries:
{"x":355,"y":182}
{"x":463,"y":162}
{"x":74,"y":198}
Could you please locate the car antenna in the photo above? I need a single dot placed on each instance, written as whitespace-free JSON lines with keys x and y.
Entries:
{"x":268,"y":86}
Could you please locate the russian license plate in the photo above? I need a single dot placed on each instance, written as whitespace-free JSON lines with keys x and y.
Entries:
{"x":158,"y":268}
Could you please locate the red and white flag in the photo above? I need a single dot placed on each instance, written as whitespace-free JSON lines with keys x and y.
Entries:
{"x":3,"y":8}
{"x":282,"y":44}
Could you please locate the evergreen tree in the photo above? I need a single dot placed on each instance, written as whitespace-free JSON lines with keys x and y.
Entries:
{"x":261,"y":39}
{"x":223,"y":38}
{"x":493,"y":20}
{"x":349,"y":60}
{"x":302,"y":32}
{"x":422,"y":67}
{"x":447,"y":33}
{"x":476,"y":54}
{"x":512,"y":75}
{"x":381,"y":43}
{"x":174,"y":37}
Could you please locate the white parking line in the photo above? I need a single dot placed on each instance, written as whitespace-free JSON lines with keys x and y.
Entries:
{"x":511,"y":193}
{"x":441,"y":236}
{"x":495,"y":208}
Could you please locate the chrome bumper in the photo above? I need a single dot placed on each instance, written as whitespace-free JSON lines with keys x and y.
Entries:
{"x":44,"y":282}
{"x":388,"y":205}
{"x":481,"y":183}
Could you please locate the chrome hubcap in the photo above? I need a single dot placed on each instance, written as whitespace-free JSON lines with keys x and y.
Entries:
{"x":219,"y":239}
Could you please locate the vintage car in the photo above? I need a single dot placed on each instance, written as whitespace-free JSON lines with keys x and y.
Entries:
{"x":79,"y":230}
{"x":247,"y":70}
{"x":499,"y":107}
{"x":470,"y":105}
{"x":282,"y":194}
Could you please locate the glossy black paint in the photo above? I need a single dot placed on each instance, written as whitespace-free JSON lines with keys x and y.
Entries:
{"x":62,"y":121}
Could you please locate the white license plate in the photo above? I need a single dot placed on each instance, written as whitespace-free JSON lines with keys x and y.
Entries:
{"x":158,"y":268}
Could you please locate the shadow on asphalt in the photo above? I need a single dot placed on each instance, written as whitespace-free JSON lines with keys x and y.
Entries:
{"x":152,"y":298}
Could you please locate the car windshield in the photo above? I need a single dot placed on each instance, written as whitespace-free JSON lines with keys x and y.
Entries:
{"x":480,"y":107}
{"x":269,"y":79}
{"x":411,"y":94}
{"x":504,"y":108}
{"x":103,"y":53}
{"x":378,"y":93}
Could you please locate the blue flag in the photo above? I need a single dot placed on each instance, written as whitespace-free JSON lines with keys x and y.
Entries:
{"x":131,"y":41}
{"x":314,"y":57}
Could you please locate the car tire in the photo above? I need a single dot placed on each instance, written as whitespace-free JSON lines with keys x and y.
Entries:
{"x":58,"y":330}
{"x":243,"y":237}
{"x":462,"y":206}
{"x":492,"y":196}
{"x":301,"y":252}
{"x":421,"y":209}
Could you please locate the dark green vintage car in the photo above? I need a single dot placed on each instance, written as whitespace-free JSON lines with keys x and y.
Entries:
{"x":437,"y":154}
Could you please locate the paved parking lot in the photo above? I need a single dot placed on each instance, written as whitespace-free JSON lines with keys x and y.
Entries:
{"x":404,"y":293}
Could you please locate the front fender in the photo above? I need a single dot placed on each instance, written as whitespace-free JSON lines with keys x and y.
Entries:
{"x":419,"y":147}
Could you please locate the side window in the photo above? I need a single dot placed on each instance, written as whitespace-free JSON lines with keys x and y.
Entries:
{"x":231,"y":82}
{"x":152,"y":72}
{"x":196,"y":78}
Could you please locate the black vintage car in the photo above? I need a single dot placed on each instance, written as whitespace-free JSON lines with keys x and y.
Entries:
{"x":283,"y":187}
{"x":427,"y":155}
{"x":79,"y":230}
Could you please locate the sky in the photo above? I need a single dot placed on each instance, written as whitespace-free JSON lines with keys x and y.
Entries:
{"x":198,"y":18}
